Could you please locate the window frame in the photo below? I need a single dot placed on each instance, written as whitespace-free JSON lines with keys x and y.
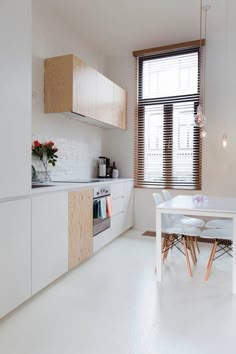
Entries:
{"x":168,"y":182}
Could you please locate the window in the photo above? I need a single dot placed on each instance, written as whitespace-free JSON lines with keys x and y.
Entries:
{"x":168,"y":145}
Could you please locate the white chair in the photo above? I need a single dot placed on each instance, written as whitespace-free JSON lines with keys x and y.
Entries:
{"x":219,"y":224}
{"x":186,"y":220}
{"x":174,"y":234}
{"x":223,"y":240}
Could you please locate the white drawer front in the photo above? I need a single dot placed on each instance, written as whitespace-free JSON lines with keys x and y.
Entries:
{"x":117,"y":190}
{"x":102,"y":239}
{"x":117,"y":225}
{"x":117,"y":206}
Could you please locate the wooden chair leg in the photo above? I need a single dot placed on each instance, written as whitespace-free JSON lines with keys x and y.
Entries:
{"x":211,"y":259}
{"x":163,"y":243}
{"x":194,"y":252}
{"x":169,"y":245}
{"x":197,"y":245}
{"x":166,"y":248}
{"x":187,"y":257}
{"x":189,"y":244}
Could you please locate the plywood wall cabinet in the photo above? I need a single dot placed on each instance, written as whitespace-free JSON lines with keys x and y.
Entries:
{"x":71,"y":85}
{"x":84,"y":88}
{"x":104,"y":100}
{"x":120,"y":107}
{"x":80,"y":226}
{"x":58,"y":85}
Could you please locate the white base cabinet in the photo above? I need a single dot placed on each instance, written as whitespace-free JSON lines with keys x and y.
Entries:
{"x":15,"y":254}
{"x":49,"y":239}
{"x":128,"y":205}
{"x":122,"y":214}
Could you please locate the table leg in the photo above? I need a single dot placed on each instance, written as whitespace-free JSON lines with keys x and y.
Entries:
{"x":234,"y":254}
{"x":158,"y":245}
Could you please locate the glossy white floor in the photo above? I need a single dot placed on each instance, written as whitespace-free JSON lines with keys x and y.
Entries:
{"x":112,"y":305}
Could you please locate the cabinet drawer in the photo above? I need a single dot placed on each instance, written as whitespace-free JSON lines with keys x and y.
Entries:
{"x":117,"y":223}
{"x":117,"y":206}
{"x":117,"y":190}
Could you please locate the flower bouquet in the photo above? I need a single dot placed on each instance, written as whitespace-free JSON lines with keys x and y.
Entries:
{"x":46,"y":153}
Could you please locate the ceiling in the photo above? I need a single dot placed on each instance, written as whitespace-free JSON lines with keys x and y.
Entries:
{"x":121,"y":26}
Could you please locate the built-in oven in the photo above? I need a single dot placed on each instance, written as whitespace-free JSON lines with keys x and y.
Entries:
{"x":101,"y":209}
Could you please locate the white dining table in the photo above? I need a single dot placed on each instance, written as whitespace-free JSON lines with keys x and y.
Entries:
{"x":213,"y":207}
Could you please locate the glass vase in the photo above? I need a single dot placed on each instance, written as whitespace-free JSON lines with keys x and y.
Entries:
{"x":43,"y":172}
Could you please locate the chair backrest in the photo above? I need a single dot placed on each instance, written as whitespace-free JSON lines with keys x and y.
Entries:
{"x":167,"y":194}
{"x":165,"y":218}
{"x":158,"y":198}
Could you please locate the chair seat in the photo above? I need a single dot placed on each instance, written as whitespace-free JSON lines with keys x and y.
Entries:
{"x":219,"y":224}
{"x":222,"y":234}
{"x":184,"y":230}
{"x":189,"y":221}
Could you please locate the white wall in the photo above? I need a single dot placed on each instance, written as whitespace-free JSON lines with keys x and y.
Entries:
{"x":219,"y":166}
{"x":79,"y":144}
{"x":15,"y":97}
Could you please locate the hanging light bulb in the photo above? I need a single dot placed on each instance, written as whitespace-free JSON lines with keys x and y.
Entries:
{"x":199,"y":118}
{"x":225,"y":141}
{"x":203,"y":133}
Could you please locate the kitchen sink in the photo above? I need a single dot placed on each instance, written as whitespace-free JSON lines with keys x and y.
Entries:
{"x":42,"y":185}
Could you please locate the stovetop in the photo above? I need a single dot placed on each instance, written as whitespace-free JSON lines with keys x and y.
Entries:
{"x":80,"y":180}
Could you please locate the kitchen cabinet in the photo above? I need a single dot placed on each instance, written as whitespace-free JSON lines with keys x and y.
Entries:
{"x":15,"y":254}
{"x":104,"y":100}
{"x":49,"y":238}
{"x":84,"y":88}
{"x":119,"y":107}
{"x":80,"y":226}
{"x":128,"y":205}
{"x":16,"y":96}
{"x":71,"y":85}
{"x":122,"y":214}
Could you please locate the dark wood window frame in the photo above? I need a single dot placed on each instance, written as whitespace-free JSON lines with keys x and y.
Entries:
{"x":167,"y":102}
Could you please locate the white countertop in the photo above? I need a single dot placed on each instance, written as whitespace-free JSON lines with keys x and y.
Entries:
{"x":62,"y":186}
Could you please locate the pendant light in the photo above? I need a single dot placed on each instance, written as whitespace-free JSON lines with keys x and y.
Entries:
{"x":200,"y":118}
{"x":203,"y":133}
{"x":224,"y":141}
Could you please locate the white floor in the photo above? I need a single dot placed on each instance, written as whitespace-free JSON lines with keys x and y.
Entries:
{"x":112,"y":305}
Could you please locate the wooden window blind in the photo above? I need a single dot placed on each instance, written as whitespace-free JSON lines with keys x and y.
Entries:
{"x":167,"y":144}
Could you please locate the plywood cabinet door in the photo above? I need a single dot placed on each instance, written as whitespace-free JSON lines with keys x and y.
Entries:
{"x":15,"y":254}
{"x":104,"y":100}
{"x":49,"y":238}
{"x":71,"y":85}
{"x":80,"y":226}
{"x":58,"y":84}
{"x":84,"y":88}
{"x":120,"y":107}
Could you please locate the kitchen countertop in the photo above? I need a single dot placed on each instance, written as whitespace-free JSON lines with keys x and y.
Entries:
{"x":62,"y":186}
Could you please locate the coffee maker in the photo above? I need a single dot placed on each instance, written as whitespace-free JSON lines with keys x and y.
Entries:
{"x":103,"y":167}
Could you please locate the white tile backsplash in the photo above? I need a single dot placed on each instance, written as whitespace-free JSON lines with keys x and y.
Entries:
{"x":76,"y":158}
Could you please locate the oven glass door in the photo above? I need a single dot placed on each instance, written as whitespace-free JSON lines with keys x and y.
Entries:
{"x":101,"y":217}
